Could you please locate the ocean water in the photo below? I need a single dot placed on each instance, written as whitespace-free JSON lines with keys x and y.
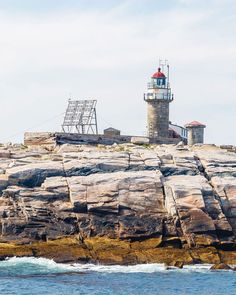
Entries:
{"x":29,"y":276}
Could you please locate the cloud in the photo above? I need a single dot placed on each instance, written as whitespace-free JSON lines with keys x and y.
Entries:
{"x":109,"y":53}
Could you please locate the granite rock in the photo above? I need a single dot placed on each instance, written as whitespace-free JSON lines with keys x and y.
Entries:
{"x":160,"y":197}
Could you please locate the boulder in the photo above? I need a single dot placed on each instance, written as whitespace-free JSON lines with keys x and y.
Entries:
{"x":177,"y":264}
{"x":221,"y":266}
{"x":140,"y":140}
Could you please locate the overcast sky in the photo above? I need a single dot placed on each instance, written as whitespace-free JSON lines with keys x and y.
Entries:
{"x":108,"y":50}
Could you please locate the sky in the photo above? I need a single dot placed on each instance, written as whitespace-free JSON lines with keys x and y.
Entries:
{"x":107,"y":50}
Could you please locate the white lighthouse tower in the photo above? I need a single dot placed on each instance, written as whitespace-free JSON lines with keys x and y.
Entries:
{"x":158,"y":98}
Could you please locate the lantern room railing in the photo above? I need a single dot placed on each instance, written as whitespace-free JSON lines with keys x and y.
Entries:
{"x":158,"y":96}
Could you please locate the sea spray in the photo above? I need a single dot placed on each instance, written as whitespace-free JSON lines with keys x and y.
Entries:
{"x":32,"y":265}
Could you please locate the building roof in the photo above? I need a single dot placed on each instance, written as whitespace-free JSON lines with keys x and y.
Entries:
{"x":174,"y":133}
{"x":158,"y":74}
{"x":111,"y":129}
{"x":195,"y":124}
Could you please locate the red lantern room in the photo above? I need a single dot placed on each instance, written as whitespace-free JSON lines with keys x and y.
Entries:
{"x":158,"y":74}
{"x":159,"y":78}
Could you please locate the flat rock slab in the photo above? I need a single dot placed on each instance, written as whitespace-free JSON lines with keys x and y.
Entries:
{"x":218,"y":163}
{"x":110,"y":193}
{"x":34,"y":174}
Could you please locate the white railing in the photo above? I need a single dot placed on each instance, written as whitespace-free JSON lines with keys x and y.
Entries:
{"x":160,"y":96}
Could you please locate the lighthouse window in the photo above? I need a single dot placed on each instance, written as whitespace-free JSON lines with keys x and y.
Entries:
{"x":161,"y":81}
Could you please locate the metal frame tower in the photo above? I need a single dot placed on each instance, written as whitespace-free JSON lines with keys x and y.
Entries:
{"x":80,"y":117}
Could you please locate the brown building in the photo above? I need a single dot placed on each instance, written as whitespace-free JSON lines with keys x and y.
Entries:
{"x":111,"y":132}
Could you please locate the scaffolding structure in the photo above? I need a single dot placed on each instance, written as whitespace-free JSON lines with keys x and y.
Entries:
{"x":80,"y":117}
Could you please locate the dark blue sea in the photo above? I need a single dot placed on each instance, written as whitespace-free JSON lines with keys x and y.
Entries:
{"x":29,"y":276}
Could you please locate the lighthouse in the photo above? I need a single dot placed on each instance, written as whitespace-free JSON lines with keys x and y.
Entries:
{"x":158,"y":98}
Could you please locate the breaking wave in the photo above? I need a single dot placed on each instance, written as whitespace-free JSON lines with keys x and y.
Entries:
{"x":32,"y":265}
{"x":36,"y":276}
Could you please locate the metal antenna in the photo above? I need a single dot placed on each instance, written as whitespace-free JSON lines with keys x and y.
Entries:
{"x":163,"y":64}
{"x":168,"y":75}
{"x":81,"y":117}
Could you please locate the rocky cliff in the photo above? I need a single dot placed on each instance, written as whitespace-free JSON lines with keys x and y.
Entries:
{"x":118,"y":204}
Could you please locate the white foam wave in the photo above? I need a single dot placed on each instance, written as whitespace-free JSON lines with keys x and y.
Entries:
{"x":49,"y":265}
{"x":139,"y":268}
{"x":197,"y":268}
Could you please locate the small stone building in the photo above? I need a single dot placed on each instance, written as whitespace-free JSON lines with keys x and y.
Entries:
{"x":195,"y":132}
{"x":111,"y":132}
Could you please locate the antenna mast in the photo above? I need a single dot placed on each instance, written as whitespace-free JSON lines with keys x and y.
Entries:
{"x":163,"y":64}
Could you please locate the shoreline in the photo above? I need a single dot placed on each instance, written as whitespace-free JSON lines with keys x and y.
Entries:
{"x":107,"y":251}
